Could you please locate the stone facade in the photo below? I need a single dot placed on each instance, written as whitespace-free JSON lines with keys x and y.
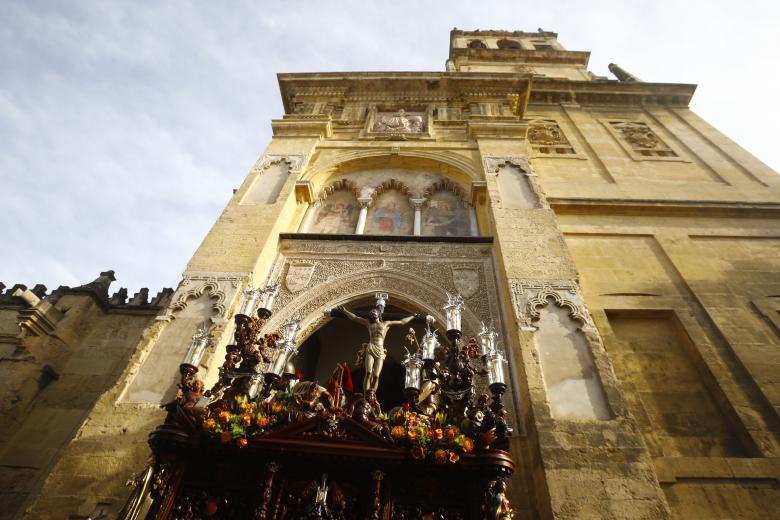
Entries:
{"x":628,"y":250}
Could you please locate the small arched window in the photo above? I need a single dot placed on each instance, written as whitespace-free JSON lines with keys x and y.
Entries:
{"x":477,"y":44}
{"x":508,"y":44}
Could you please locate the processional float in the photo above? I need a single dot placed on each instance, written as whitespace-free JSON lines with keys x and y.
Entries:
{"x":264,"y":444}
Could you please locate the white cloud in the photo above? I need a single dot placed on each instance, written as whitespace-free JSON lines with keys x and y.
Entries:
{"x":125,"y":126}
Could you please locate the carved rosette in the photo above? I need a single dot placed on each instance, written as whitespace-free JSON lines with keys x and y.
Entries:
{"x":529,"y":296}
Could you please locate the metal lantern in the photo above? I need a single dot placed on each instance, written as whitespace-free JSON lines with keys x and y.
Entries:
{"x":200,"y":340}
{"x":250,"y":301}
{"x":289,"y":329}
{"x":495,"y":365}
{"x":488,"y":338}
{"x":268,"y":298}
{"x":281,"y":357}
{"x":429,"y":341}
{"x":452,"y":311}
{"x":413,"y":377}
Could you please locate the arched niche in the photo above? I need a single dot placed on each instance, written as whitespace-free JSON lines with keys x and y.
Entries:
{"x":462,"y":170}
{"x":574,"y":389}
{"x":391,"y":212}
{"x":505,"y":43}
{"x":446,"y":212}
{"x":336,"y":210}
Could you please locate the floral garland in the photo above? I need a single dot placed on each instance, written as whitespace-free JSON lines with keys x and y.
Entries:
{"x":430,"y":438}
{"x":247,"y":419}
{"x":427,"y":438}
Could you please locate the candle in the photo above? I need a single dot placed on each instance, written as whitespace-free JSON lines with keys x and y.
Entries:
{"x":452,"y":311}
{"x":290,"y":328}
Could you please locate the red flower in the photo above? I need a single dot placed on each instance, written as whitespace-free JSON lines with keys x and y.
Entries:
{"x":242,"y":442}
{"x":405,"y":406}
{"x":298,"y":375}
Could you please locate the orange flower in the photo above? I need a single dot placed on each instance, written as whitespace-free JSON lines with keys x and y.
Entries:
{"x":411,"y":435}
{"x":263,"y":421}
{"x":224,"y":416}
{"x":247,"y":420}
{"x":209,"y":424}
{"x":468,"y":445}
{"x":413,"y":422}
{"x":449,"y":434}
{"x":242,"y":442}
{"x":225,"y":437}
{"x":454,"y":457}
{"x":276,"y":408}
{"x":397,"y":432}
{"x":418,"y":453}
{"x":440,"y":456}
{"x":245,"y":407}
{"x":438,"y":434}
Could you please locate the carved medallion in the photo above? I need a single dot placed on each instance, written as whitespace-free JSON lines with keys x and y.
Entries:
{"x":466,"y":281}
{"x":400,"y":122}
{"x":298,"y":277}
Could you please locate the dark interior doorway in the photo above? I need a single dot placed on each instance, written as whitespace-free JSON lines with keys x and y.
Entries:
{"x":339,"y":341}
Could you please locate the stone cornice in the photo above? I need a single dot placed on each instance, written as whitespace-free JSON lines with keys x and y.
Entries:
{"x":440,"y":87}
{"x":390,"y":87}
{"x":556,"y":91}
{"x":699,"y":208}
{"x":520,"y":56}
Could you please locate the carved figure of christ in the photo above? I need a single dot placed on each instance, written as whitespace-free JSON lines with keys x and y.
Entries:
{"x":374,"y":351}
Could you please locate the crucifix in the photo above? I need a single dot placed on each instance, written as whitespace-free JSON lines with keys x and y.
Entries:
{"x":372,"y":354}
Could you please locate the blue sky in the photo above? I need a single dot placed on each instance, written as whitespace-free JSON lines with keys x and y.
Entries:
{"x":124,"y":126}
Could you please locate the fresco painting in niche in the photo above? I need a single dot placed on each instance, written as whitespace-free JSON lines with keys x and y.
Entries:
{"x":337,"y":214}
{"x":445,"y":215}
{"x":391,"y":214}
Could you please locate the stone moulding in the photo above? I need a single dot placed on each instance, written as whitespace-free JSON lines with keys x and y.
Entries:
{"x":529,"y":296}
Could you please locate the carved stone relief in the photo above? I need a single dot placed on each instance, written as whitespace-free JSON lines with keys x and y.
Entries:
{"x":401,"y":122}
{"x":529,"y":296}
{"x":547,"y":138}
{"x":294,"y":162}
{"x":298,"y":276}
{"x":639,"y":140}
{"x":221,"y":287}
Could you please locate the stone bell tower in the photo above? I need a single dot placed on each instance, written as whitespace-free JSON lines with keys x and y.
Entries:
{"x":531,"y":187}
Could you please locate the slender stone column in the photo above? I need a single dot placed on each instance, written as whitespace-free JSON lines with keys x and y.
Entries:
{"x":417,"y":204}
{"x":473,"y":221}
{"x":361,"y":223}
{"x":308,"y":216}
